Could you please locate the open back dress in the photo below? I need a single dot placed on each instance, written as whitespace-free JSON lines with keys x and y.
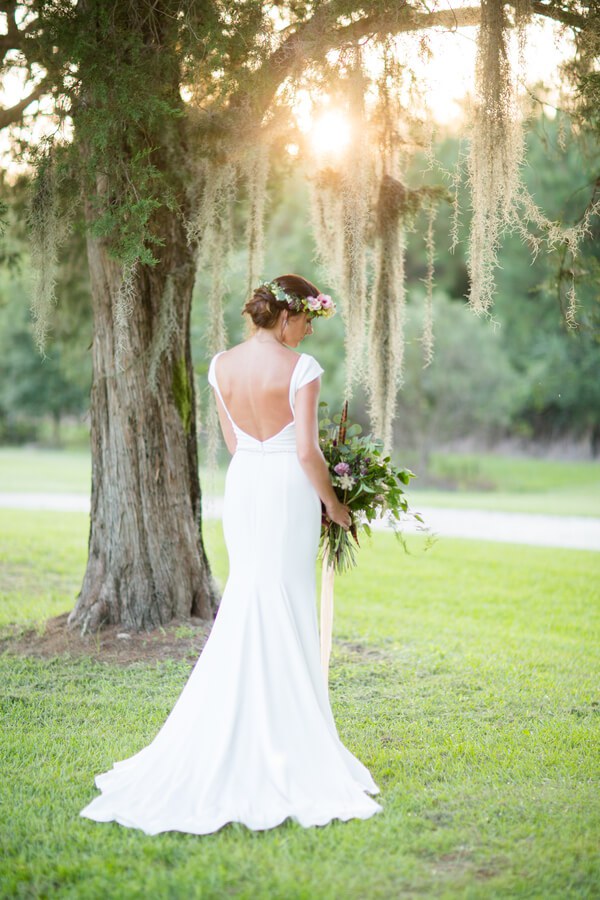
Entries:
{"x":251,"y":737}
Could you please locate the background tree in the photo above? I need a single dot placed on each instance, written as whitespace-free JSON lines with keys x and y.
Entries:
{"x":470,"y":387}
{"x":558,"y":393}
{"x":30,"y":390}
{"x":165,"y":113}
{"x":33,"y":387}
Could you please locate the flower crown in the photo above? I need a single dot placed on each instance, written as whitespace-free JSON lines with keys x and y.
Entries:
{"x":321,"y":305}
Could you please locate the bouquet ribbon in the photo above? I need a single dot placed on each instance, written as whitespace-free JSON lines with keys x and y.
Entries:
{"x":327,"y":579}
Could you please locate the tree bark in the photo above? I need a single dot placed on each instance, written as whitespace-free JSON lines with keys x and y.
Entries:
{"x":147,"y":564}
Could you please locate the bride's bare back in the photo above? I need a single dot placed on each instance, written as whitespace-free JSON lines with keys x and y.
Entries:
{"x":254,"y":380}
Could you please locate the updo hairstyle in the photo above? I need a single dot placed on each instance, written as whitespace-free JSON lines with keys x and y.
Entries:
{"x":263,"y":307}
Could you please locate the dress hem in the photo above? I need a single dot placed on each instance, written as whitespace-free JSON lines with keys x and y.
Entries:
{"x":306,"y":820}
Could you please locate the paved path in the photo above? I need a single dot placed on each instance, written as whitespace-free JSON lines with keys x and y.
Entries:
{"x":575,"y":532}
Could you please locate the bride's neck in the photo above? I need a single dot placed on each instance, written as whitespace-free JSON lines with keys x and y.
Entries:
{"x":266,"y":336}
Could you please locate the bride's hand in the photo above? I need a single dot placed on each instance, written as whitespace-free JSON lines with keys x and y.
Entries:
{"x":339,"y":513}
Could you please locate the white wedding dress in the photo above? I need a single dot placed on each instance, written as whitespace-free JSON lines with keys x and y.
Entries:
{"x":251,"y":738}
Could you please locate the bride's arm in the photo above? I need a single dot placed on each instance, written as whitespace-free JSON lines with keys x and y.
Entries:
{"x":226,"y":426}
{"x":310,"y":455}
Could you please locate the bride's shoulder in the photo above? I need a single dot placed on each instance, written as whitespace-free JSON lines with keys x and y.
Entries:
{"x":211,"y":364}
{"x":230,"y":353}
{"x":310,"y":361}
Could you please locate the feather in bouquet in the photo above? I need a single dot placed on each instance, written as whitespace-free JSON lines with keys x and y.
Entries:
{"x":365,"y":480}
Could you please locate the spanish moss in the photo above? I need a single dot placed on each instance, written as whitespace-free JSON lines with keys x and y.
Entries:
{"x":122,"y":309}
{"x":48,"y":227}
{"x":386,"y":349}
{"x":496,"y":152}
{"x":427,"y":338}
{"x":256,"y":169}
{"x":355,"y":202}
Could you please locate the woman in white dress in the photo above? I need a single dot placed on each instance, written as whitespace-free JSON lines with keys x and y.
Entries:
{"x":252,"y":738}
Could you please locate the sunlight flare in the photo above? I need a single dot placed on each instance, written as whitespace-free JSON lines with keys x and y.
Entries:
{"x":329,"y":134}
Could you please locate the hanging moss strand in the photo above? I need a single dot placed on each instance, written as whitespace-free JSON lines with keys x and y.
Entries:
{"x":387,"y":308}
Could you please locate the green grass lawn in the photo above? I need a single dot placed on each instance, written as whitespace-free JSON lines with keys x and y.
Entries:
{"x":512,"y":473}
{"x":467,"y":678}
{"x":565,"y":502}
{"x":511,"y":484}
{"x":31,"y":469}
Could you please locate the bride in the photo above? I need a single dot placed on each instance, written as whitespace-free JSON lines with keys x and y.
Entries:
{"x":252,"y":738}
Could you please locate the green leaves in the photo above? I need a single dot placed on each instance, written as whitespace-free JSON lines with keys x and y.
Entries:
{"x":127,"y":112}
{"x":353,"y":430}
{"x":364,"y":479}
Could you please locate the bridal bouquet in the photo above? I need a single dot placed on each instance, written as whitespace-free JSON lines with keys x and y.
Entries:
{"x":364,"y":479}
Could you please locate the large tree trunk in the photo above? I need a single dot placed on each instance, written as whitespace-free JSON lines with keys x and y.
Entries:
{"x":147,"y":563}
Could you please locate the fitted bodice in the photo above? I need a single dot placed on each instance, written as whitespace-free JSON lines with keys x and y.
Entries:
{"x":284,"y":441}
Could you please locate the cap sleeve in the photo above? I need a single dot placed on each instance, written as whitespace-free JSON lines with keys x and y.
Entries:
{"x":212,"y":379}
{"x":211,"y":372}
{"x":307,"y":369}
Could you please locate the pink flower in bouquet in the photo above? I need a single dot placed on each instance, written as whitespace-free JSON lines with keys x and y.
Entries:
{"x":342,"y":468}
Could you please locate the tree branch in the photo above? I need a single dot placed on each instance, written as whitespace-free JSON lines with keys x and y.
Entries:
{"x":409,"y":20}
{"x":549,"y":11}
{"x":14,"y":113}
{"x":316,"y":36}
{"x":14,"y":39}
{"x":9,"y":7}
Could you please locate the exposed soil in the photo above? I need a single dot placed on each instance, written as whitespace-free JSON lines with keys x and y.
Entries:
{"x":363,"y":652}
{"x":177,"y":640}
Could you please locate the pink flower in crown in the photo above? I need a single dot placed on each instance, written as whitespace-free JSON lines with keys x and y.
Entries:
{"x":326,"y":301}
{"x":314,"y":303}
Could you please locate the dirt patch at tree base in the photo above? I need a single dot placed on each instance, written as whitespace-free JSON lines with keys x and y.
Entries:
{"x":179,"y":640}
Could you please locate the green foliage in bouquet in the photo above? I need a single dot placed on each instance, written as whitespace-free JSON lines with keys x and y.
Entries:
{"x":364,"y":479}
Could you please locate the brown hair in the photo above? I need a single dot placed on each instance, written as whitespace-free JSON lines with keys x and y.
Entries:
{"x":264,"y":308}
